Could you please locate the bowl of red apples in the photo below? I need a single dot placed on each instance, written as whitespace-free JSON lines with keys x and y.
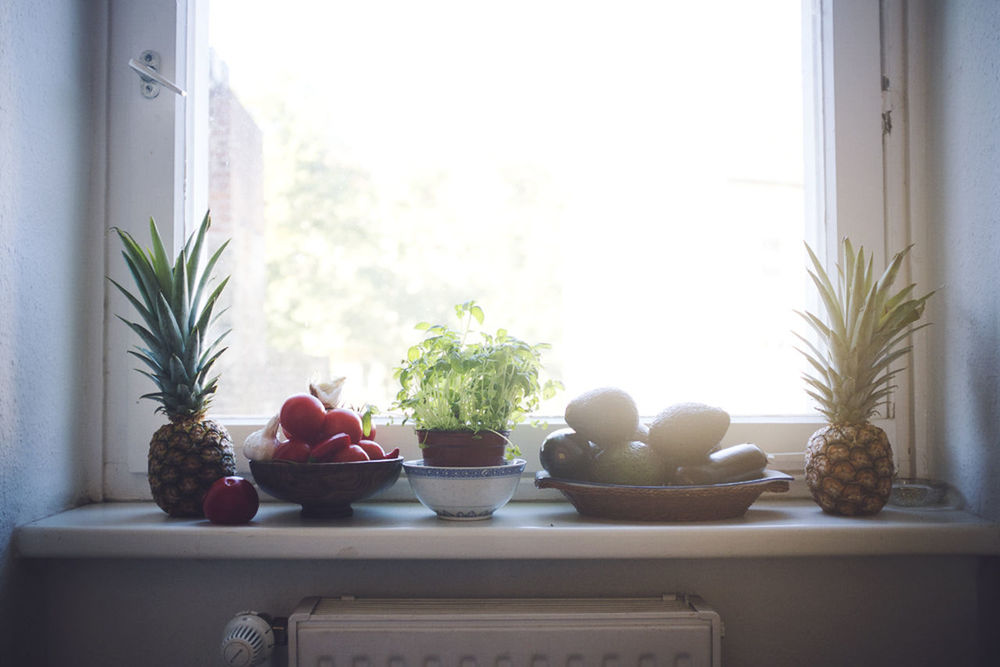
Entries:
{"x":321,"y":456}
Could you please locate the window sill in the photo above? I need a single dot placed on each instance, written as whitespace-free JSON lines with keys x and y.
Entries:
{"x":520,"y":531}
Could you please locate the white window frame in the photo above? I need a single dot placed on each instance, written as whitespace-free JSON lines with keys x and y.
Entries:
{"x":153,"y":157}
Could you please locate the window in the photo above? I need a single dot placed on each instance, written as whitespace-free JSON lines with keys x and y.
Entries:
{"x":546,"y":202}
{"x":621,"y":180}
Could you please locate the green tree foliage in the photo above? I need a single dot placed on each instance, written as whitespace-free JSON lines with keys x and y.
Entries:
{"x":355,"y":260}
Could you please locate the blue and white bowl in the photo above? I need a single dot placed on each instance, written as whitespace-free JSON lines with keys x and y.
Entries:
{"x":464,"y":494}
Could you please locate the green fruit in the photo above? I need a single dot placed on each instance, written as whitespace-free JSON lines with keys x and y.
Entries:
{"x":642,"y":433}
{"x":604,"y":416}
{"x":567,"y":454}
{"x":686,"y":432}
{"x":631,"y":463}
{"x":732,"y":464}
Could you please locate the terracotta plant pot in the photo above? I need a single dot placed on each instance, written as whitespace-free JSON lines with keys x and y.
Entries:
{"x":462,"y":449}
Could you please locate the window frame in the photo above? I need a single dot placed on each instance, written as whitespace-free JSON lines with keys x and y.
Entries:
{"x":154,"y":157}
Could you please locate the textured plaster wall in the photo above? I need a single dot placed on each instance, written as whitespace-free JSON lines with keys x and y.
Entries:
{"x":50,"y":283}
{"x":957,"y":146}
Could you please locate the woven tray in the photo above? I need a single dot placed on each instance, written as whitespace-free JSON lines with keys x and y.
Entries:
{"x":665,"y":503}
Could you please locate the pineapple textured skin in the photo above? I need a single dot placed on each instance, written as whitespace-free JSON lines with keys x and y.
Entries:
{"x":853,"y":359}
{"x":849,"y":469}
{"x":185,"y":458}
{"x":175,"y":309}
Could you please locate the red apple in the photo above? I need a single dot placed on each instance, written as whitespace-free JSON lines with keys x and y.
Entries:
{"x":302,"y":417}
{"x":231,"y":500}
{"x":292,"y":450}
{"x":342,"y":420}
{"x":324,"y":452}
{"x":349,"y":454}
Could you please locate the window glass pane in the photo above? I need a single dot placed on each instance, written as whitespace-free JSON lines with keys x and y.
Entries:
{"x":623,"y":180}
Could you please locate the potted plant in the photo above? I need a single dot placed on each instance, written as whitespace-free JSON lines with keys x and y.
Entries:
{"x":464,"y":391}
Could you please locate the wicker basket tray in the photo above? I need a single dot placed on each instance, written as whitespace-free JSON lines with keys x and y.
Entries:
{"x":665,"y":503}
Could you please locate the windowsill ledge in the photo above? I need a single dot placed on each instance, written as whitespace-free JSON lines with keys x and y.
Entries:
{"x":521,"y":530}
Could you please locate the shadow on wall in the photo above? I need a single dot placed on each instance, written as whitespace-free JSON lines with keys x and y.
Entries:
{"x":22,"y":610}
{"x":961,"y":53}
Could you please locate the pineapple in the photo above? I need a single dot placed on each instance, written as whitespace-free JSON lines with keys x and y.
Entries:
{"x":190,"y":452}
{"x":849,"y":466}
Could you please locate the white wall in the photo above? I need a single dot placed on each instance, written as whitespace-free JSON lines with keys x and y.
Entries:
{"x":955,"y":143}
{"x":50,"y":278}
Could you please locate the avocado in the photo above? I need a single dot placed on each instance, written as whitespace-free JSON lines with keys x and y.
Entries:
{"x":567,"y":455}
{"x":685,"y":433}
{"x":630,"y":463}
{"x":642,"y":433}
{"x":604,"y":416}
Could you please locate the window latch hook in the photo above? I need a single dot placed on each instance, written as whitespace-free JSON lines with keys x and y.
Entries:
{"x":146,"y":66}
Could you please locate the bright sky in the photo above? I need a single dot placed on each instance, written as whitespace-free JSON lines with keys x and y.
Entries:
{"x":550,"y":68}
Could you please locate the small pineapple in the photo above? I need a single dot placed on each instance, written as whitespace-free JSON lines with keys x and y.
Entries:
{"x":190,"y":452}
{"x":849,"y":467}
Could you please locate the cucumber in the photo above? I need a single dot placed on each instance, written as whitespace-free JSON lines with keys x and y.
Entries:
{"x":737,"y":463}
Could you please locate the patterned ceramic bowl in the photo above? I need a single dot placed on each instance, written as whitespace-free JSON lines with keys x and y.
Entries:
{"x":464,"y":494}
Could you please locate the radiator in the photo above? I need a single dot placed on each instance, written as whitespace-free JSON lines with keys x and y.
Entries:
{"x":669,"y":631}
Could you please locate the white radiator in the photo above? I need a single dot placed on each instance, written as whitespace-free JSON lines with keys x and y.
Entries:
{"x":672,"y":631}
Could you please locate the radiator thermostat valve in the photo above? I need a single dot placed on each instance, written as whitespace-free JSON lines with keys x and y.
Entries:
{"x":247,"y":640}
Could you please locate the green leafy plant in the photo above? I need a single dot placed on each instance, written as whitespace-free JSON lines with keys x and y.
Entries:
{"x":461,"y":380}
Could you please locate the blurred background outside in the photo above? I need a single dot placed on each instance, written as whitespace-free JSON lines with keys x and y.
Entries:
{"x":622,"y":180}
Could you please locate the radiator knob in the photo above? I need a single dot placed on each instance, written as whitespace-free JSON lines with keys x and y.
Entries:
{"x":247,"y":640}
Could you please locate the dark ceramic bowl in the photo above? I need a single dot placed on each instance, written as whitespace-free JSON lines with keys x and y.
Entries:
{"x":325,"y":490}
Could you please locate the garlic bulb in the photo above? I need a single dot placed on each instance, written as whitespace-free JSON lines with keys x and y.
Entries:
{"x":328,"y":392}
{"x":260,"y":445}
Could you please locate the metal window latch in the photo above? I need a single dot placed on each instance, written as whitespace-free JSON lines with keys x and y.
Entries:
{"x":146,"y":66}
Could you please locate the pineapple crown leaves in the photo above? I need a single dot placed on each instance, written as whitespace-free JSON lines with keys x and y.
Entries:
{"x":861,"y":337}
{"x":176,"y":311}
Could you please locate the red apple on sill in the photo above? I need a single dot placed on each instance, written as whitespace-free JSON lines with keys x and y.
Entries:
{"x":231,"y":501}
